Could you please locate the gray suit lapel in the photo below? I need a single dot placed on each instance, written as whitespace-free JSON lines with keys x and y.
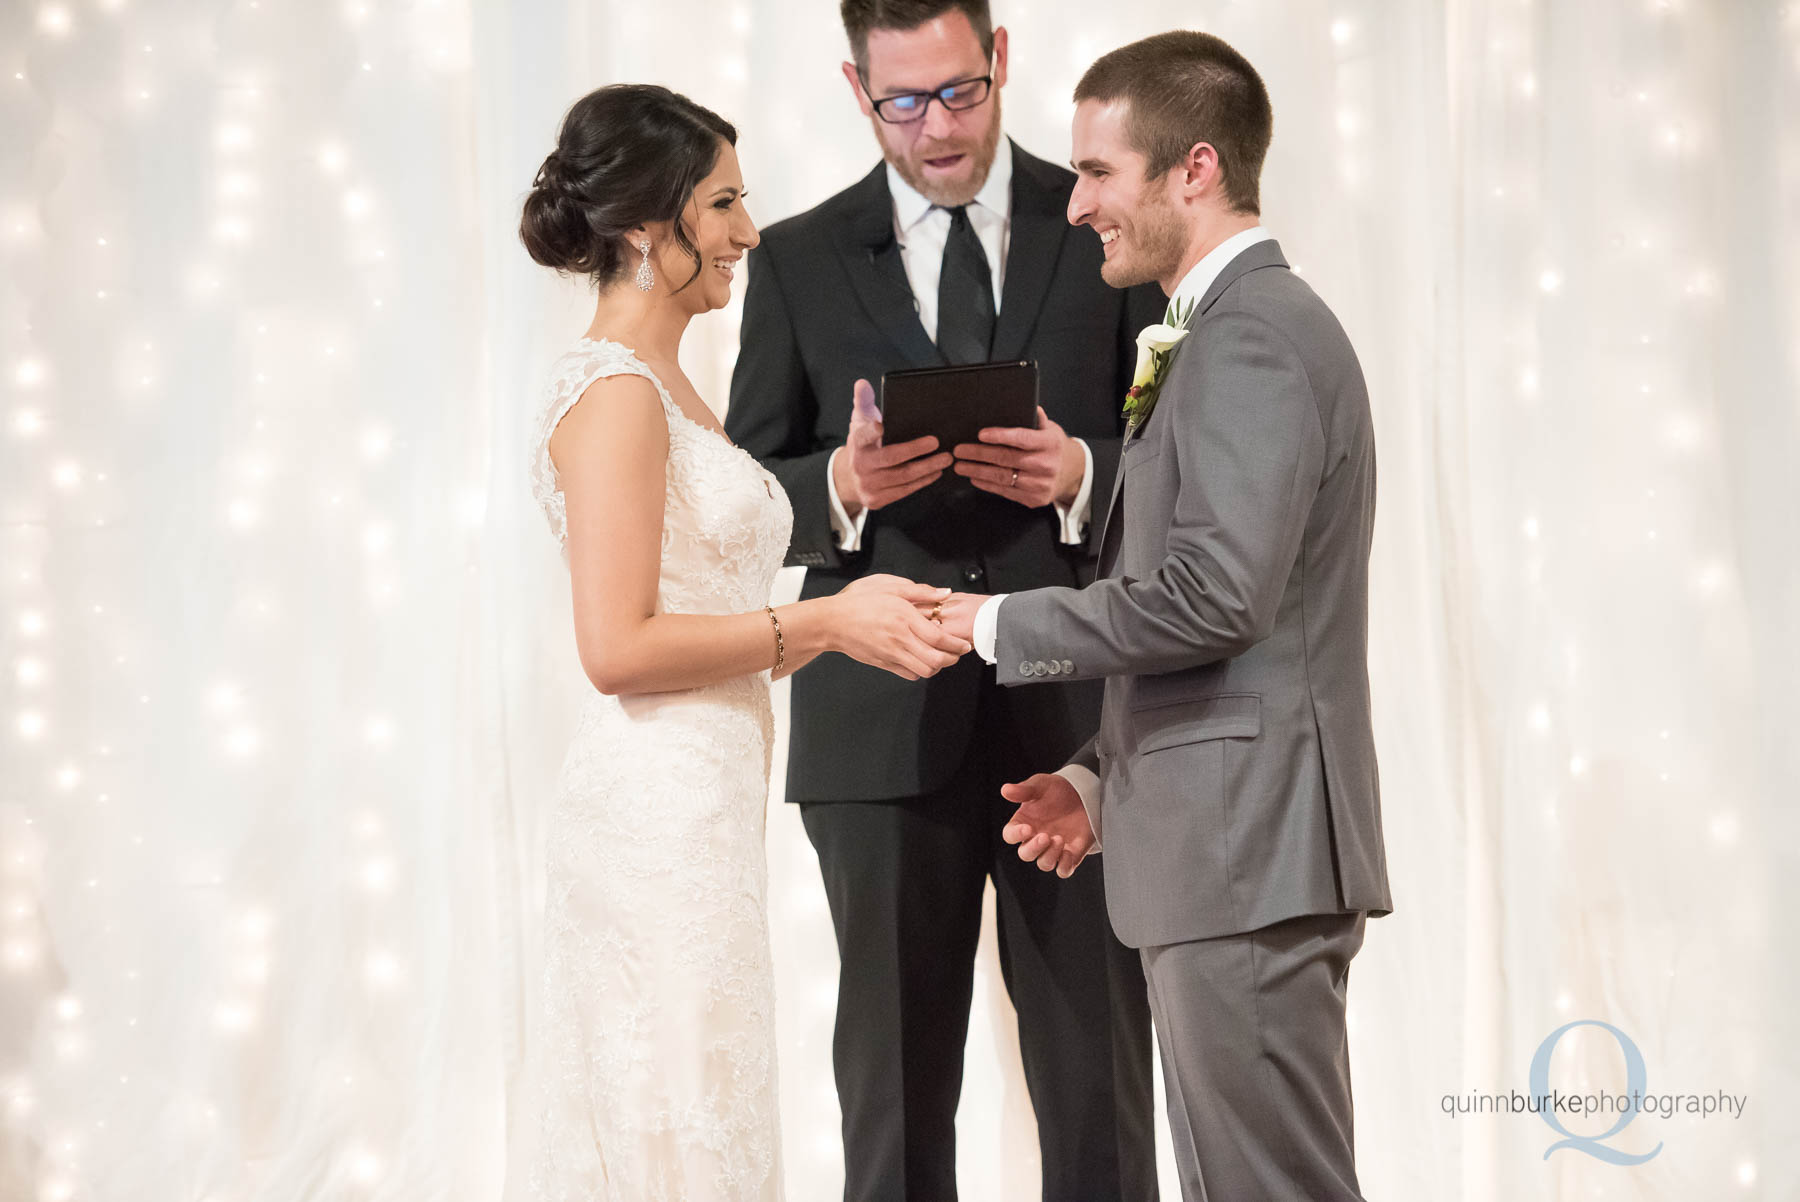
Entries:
{"x":1262,"y":254}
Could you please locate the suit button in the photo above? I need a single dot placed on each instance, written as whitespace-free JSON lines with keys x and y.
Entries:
{"x":971,"y":575}
{"x":1055,"y":667}
{"x":1068,"y":667}
{"x":1025,"y":667}
{"x":1040,"y":668}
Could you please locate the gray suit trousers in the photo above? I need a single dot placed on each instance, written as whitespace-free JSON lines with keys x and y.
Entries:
{"x":1255,"y":1060}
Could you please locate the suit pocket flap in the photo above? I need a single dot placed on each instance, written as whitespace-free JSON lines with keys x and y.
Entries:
{"x":1174,"y":723}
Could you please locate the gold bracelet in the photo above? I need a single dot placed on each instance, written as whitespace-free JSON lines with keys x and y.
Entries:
{"x":780,"y":647}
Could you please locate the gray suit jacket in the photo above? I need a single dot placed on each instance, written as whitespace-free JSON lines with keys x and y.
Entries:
{"x":1230,"y":621}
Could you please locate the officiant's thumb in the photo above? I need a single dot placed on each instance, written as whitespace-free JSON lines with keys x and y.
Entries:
{"x":863,"y":400}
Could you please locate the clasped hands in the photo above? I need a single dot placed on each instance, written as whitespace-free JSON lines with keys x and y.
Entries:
{"x":1033,"y":467}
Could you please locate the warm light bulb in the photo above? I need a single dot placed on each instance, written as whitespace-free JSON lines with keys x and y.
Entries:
{"x":55,"y":20}
{"x":383,"y":970}
{"x":243,"y":741}
{"x":234,"y":1017}
{"x":256,"y":924}
{"x":378,"y":875}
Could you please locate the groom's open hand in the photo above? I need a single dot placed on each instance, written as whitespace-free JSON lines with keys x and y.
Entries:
{"x":1050,"y":825}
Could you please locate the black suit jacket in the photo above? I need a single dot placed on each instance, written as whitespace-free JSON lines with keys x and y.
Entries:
{"x":828,"y":302}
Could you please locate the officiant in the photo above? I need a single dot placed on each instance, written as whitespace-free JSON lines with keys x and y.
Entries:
{"x":954,"y":250}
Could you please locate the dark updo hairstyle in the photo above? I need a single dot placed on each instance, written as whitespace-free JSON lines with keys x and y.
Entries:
{"x":628,"y":154}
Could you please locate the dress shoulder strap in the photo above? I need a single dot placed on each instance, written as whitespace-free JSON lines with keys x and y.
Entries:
{"x":591,"y":360}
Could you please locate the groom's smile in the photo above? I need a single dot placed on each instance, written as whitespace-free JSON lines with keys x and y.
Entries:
{"x":1113,"y":193}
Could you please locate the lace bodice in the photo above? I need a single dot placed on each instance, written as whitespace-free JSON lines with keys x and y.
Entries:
{"x":722,"y":542}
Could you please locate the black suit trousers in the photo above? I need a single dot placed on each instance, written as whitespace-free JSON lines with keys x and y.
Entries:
{"x":905,"y":881}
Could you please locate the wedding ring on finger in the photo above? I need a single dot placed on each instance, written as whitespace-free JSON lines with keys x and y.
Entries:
{"x":937,"y":612}
{"x":1014,"y":482}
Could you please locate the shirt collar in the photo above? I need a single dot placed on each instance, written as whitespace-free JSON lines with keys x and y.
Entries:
{"x":1201,"y":275}
{"x":996,"y":194}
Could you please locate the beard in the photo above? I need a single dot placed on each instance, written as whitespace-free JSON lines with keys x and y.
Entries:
{"x":1154,"y":241}
{"x":947,"y":192}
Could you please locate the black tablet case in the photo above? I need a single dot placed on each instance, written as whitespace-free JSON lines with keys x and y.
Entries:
{"x":957,"y":403}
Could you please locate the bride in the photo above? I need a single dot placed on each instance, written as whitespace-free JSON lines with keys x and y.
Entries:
{"x":655,"y":1056}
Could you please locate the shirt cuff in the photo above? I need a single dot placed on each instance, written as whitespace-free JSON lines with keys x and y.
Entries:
{"x":1087,"y":785}
{"x":849,"y":530}
{"x":1073,"y":518}
{"x":987,"y":627}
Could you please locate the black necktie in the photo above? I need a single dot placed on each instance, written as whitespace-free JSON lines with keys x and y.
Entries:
{"x":965,"y":316}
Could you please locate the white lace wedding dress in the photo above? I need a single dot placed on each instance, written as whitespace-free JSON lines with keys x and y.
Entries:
{"x":655,"y":1060}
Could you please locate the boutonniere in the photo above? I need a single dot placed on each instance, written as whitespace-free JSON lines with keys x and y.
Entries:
{"x":1155,"y":345}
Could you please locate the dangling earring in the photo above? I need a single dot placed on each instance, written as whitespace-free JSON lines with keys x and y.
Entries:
{"x":646,"y":279}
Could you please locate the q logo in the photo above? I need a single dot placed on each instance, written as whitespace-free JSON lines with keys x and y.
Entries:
{"x":1593,"y":1145}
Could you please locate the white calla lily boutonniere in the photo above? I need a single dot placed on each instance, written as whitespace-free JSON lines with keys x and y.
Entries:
{"x":1155,"y":345}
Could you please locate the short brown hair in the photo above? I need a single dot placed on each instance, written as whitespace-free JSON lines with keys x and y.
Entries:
{"x":862,"y":16}
{"x":1185,"y":87}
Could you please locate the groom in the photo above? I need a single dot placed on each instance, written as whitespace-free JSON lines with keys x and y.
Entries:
{"x":1233,"y":776}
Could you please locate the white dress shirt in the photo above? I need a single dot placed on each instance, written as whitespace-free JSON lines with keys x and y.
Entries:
{"x":922,"y":229}
{"x":1193,"y":287}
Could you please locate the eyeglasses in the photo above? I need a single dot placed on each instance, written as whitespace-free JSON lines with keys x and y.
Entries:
{"x":908,"y":107}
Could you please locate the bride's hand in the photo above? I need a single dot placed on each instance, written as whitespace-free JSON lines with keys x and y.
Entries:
{"x":883,"y":621}
{"x":922,"y":595}
{"x":930,"y":601}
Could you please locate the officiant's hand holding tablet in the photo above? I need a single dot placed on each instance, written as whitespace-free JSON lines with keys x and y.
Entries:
{"x":988,"y":416}
{"x":873,"y":471}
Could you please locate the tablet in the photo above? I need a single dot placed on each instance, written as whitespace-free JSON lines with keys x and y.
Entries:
{"x":957,"y":403}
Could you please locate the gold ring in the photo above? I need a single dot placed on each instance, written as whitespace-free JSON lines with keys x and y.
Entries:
{"x":937,"y":612}
{"x":1014,"y":483}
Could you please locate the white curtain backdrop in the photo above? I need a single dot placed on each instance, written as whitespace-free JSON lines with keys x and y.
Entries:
{"x":288,"y":667}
